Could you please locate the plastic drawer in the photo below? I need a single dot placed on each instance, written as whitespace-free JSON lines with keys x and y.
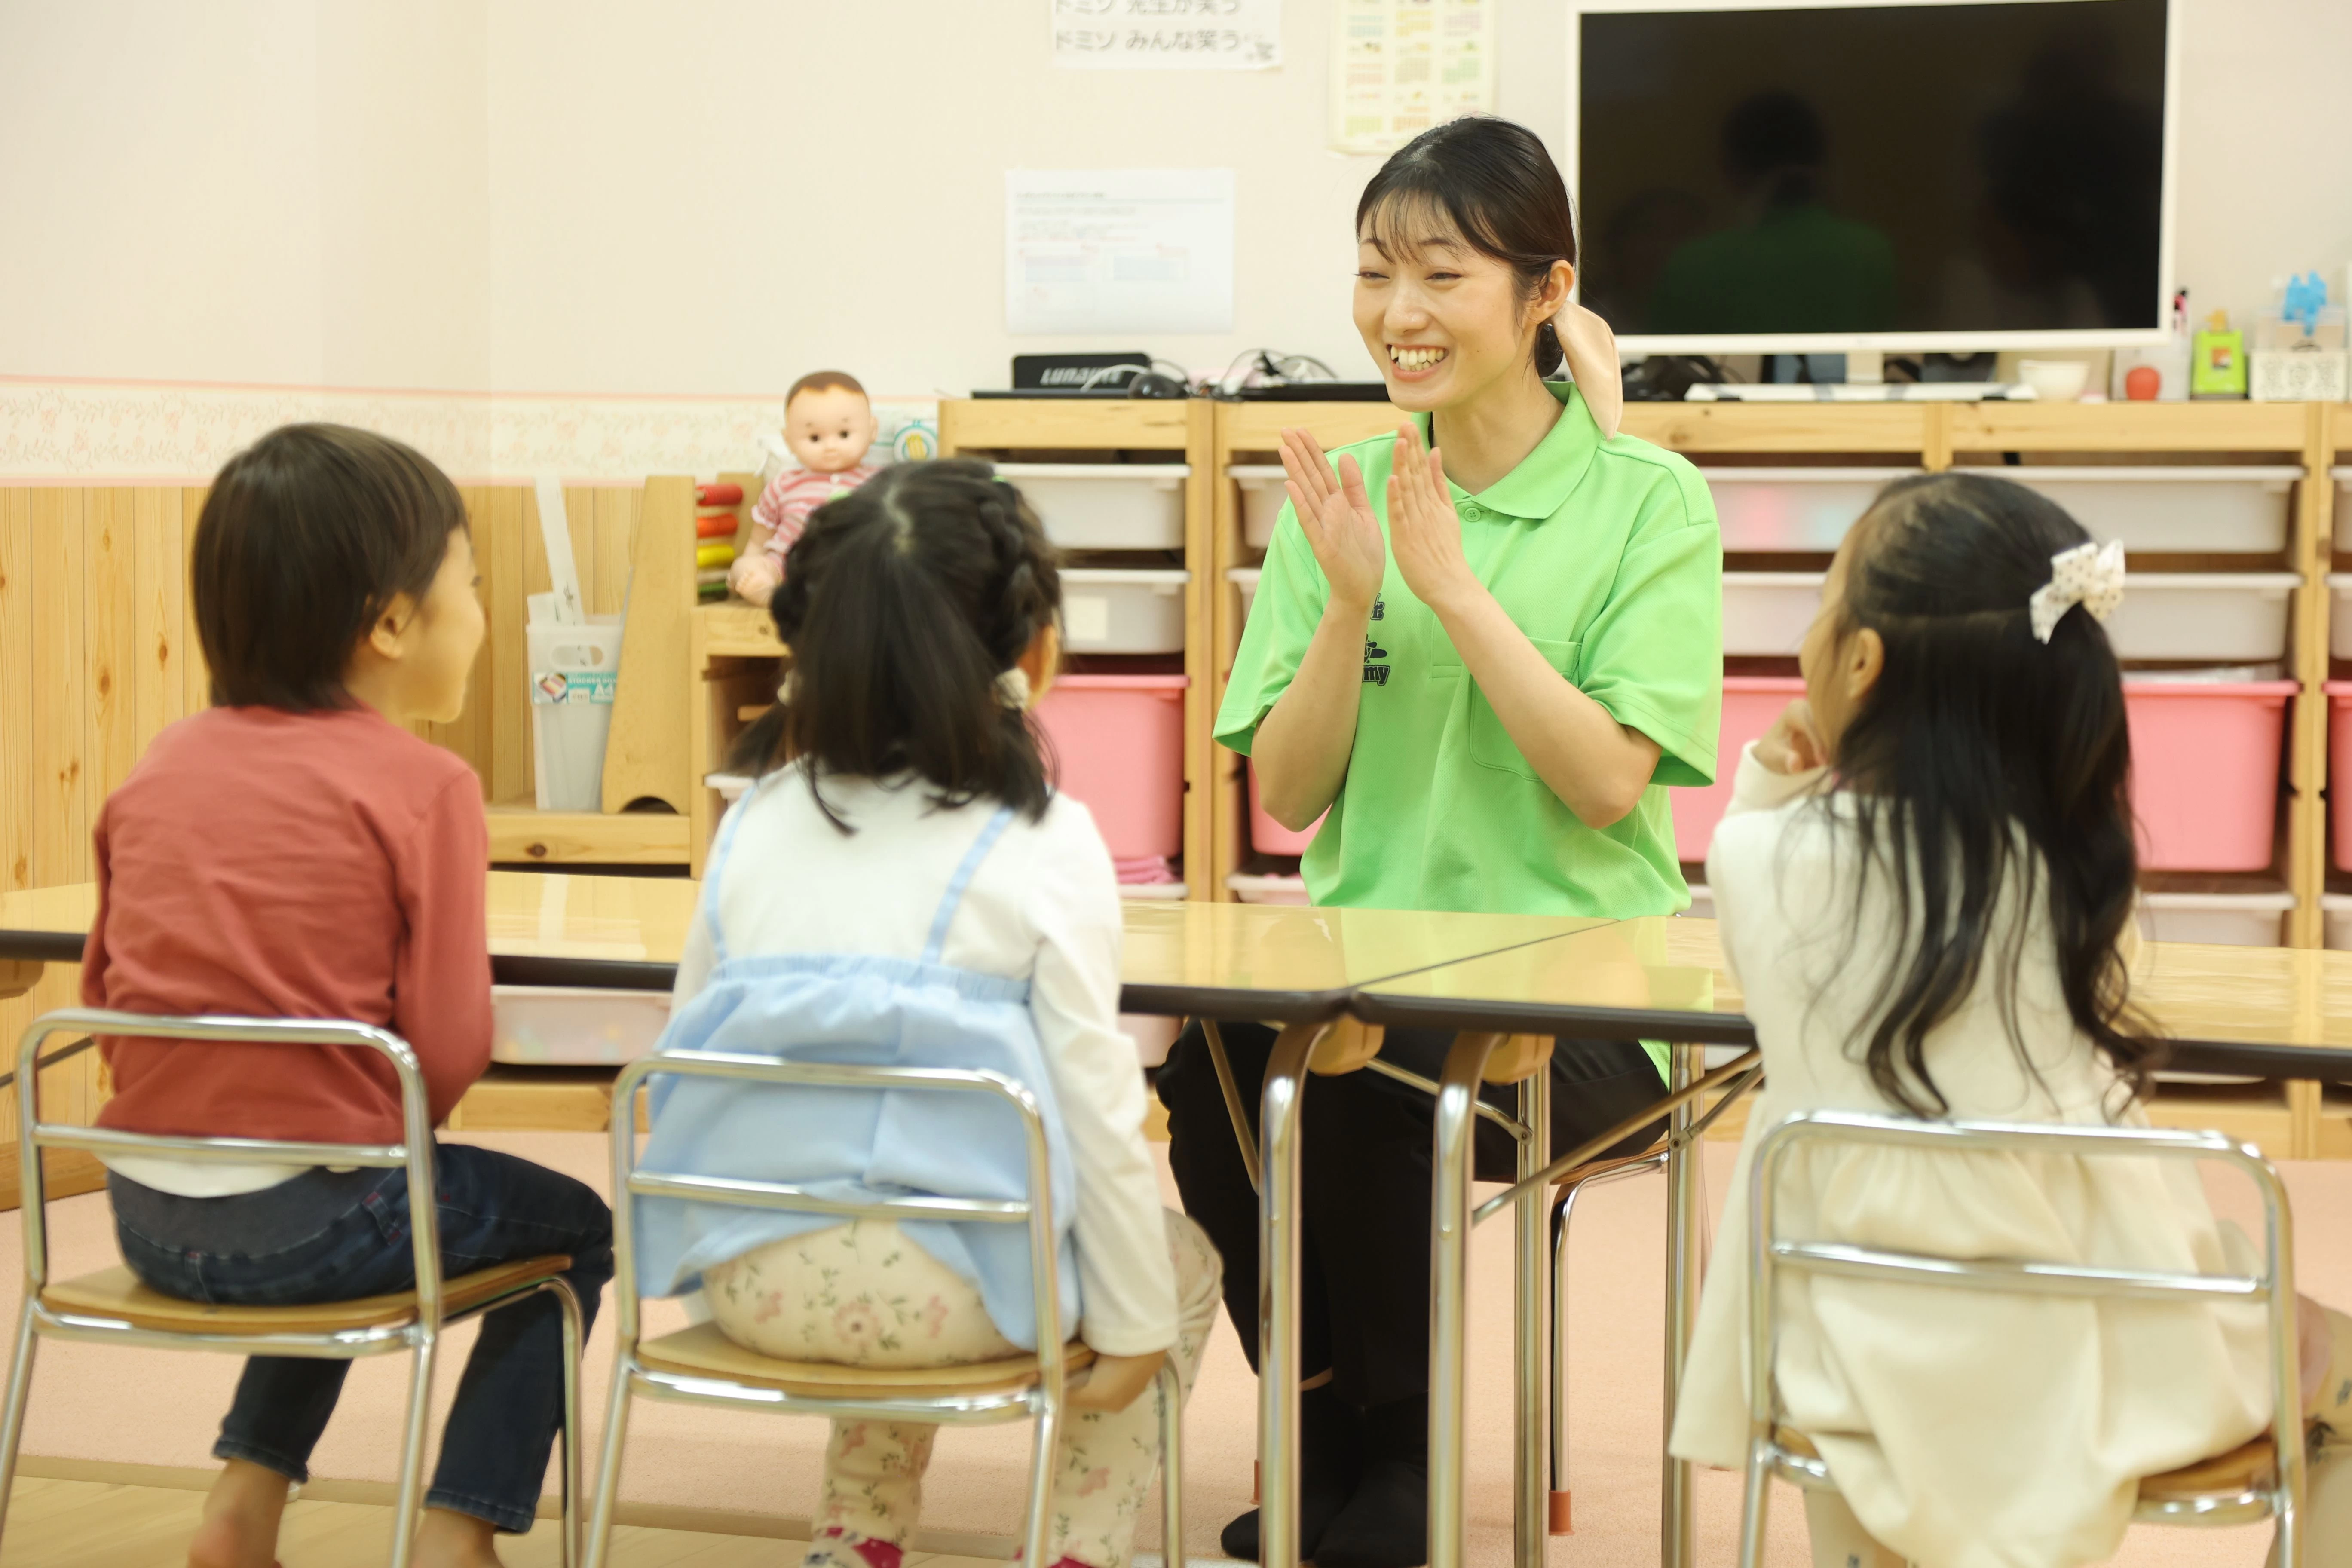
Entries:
{"x":559,"y":1026}
{"x":2218,"y":510}
{"x":2340,"y":611}
{"x":1768,"y":611}
{"x":1245,"y":579}
{"x":2343,"y":478}
{"x":2221,"y":920}
{"x":2339,"y":910}
{"x":1793,"y":509}
{"x":1117,"y":746}
{"x":1123,"y":610}
{"x":1275,"y":890}
{"x":2205,"y":772}
{"x":1105,"y":506}
{"x":1751,"y":703}
{"x":1263,"y":495}
{"x":2226,"y":618}
{"x":2339,"y":773}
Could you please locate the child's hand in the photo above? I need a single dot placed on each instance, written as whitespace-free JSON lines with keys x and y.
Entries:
{"x":1337,"y":516}
{"x":1793,"y":746}
{"x":1114,"y":1381}
{"x":1423,"y":528}
{"x":754,"y":576}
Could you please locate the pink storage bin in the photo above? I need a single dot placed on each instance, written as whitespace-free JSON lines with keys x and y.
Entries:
{"x":2339,"y":772}
{"x":2205,"y":772}
{"x":1268,"y":837}
{"x":1751,"y":703}
{"x":1119,"y":749}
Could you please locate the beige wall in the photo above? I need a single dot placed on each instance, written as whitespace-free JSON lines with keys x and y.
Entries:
{"x":590,"y":195}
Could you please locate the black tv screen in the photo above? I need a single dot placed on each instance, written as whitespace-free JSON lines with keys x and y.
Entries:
{"x":1909,"y":170}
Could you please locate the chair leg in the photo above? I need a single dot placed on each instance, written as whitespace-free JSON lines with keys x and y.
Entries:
{"x":1044,"y":1458}
{"x":569,"y":1518}
{"x":608,"y":1466}
{"x":412,"y":1448}
{"x":12,"y":1420}
{"x":1561,"y":1518}
{"x":1171,"y":1467}
{"x":1752,"y":1507}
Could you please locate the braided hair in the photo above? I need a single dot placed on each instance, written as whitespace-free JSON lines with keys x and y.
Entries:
{"x":903,"y":603}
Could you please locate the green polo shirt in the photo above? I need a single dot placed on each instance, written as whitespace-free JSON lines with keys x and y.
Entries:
{"x":1605,"y":553}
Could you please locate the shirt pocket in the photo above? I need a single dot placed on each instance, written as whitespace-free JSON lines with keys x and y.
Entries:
{"x":1491,"y":745}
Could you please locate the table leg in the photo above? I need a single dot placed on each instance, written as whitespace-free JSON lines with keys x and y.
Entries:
{"x":1531,"y":1505}
{"x":1676,"y":1542}
{"x":1278,"y":1371}
{"x":1452,"y":1143}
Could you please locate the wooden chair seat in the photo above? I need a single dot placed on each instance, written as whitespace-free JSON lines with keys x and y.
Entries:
{"x":117,"y":1293}
{"x":2250,"y":1467}
{"x":703,"y":1352}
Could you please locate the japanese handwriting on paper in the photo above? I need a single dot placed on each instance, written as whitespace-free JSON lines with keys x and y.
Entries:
{"x":1231,"y":35}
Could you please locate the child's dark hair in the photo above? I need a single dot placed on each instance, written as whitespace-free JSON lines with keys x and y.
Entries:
{"x":1982,"y":755}
{"x":1493,"y":183}
{"x":903,"y":603}
{"x":305,"y":539}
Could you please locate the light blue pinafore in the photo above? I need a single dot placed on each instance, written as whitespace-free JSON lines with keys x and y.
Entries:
{"x":854,"y":1145}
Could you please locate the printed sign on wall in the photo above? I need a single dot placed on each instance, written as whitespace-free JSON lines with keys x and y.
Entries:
{"x":1167,"y":34}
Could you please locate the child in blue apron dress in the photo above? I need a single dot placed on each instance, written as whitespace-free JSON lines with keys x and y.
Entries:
{"x":903,"y":886}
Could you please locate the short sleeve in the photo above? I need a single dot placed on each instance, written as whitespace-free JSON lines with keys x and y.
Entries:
{"x":1291,"y":593}
{"x":1653,"y":656}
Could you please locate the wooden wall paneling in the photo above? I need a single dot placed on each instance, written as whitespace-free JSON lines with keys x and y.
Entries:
{"x":17,"y":748}
{"x":616,"y":533}
{"x":159,"y":618}
{"x":111,"y":652}
{"x":60,"y":726}
{"x":196,"y":682}
{"x":511,"y":513}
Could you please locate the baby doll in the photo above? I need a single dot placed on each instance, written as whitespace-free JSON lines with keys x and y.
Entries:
{"x":829,"y":424}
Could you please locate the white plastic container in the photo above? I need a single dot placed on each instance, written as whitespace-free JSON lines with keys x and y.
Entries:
{"x":1250,"y":889}
{"x":2338,"y":907}
{"x":1105,"y":506}
{"x":1151,"y":1034}
{"x":2224,"y":919}
{"x":2229,"y":618}
{"x":2217,"y":510}
{"x":574,"y":670}
{"x":1262,"y":497}
{"x":559,"y":1026}
{"x":2340,"y":611}
{"x":1123,"y":609}
{"x":1154,"y":892}
{"x":1793,"y":509}
{"x":1768,"y":611}
{"x":2343,"y":478}
{"x":731,"y":786}
{"x":1245,"y":579}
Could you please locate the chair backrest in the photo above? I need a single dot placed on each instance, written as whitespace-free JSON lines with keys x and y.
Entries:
{"x":413,"y":1151}
{"x":631,"y":1180}
{"x":2274,"y":1287}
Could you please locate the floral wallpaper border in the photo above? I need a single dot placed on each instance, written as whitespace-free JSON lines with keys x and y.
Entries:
{"x":79,"y":432}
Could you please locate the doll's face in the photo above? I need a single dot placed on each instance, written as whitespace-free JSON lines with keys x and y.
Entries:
{"x":829,"y":429}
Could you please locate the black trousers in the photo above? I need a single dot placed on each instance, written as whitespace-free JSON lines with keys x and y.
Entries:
{"x":1365,"y":1179}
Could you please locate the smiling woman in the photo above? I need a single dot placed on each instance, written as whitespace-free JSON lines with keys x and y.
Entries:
{"x":1486,"y":642}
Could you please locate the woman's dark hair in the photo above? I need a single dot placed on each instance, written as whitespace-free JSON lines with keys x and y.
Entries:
{"x":1985,"y":760}
{"x":902,"y":603}
{"x":1490,"y":182}
{"x":306,"y":537}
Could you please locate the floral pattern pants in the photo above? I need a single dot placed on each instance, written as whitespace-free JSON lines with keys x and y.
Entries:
{"x":861,"y":1294}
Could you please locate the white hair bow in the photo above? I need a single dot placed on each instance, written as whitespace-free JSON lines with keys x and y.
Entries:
{"x":2090,"y":576}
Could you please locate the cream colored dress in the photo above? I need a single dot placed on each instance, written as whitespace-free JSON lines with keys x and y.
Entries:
{"x":1966,"y":1430}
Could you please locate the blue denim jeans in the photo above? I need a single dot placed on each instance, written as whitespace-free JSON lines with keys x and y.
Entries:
{"x":332,"y":1237}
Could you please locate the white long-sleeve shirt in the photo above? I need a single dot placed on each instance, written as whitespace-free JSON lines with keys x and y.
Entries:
{"x":1967,"y":1430}
{"x":1043,"y":907}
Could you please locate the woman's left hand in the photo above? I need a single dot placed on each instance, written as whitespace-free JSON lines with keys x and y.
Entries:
{"x":1424,"y":531}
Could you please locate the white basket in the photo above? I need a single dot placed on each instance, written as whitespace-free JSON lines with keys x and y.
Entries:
{"x":2339,"y":613}
{"x":2217,"y":510}
{"x":1105,"y":506}
{"x":1261,"y":486}
{"x":2224,"y":919}
{"x":2343,"y":478}
{"x":1275,"y":890}
{"x":1151,"y":1034}
{"x":1245,"y":579}
{"x":2224,"y":617}
{"x":1768,"y":611}
{"x":1154,"y":892}
{"x":1123,"y":610}
{"x":2337,"y":908}
{"x":558,"y":1025}
{"x":1793,"y":509}
{"x":574,"y":672}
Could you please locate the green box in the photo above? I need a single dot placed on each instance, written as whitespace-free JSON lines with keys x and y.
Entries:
{"x":2217,"y":364}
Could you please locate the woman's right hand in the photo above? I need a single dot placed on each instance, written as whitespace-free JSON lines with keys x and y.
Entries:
{"x":1338,"y":516}
{"x":1793,"y":746}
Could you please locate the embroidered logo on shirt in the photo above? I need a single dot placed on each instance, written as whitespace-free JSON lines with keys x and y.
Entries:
{"x":1379,"y":608}
{"x":1375,"y":674}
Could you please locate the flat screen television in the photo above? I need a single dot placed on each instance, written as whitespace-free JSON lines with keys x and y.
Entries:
{"x":1753,"y":177}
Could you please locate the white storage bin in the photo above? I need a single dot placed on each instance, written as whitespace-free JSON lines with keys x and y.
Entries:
{"x":2338,"y":907}
{"x":1768,"y":611}
{"x":574,"y":673}
{"x":1261,"y":486}
{"x":731,"y":786}
{"x":1151,"y":1035}
{"x":2339,"y":612}
{"x":1105,"y":506}
{"x":1793,"y":509}
{"x":1245,"y":579}
{"x":1275,"y":890}
{"x":2224,"y":919}
{"x":1123,"y":610}
{"x":2343,"y":478}
{"x":1154,"y":892}
{"x":2224,"y":617}
{"x":2219,"y":511}
{"x":560,"y":1025}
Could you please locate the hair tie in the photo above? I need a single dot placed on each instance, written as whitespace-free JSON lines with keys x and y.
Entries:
{"x":2090,"y":576}
{"x":1013,"y":688}
{"x":1590,"y":350}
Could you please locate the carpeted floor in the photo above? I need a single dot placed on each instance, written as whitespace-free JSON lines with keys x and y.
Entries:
{"x":154,"y":1407}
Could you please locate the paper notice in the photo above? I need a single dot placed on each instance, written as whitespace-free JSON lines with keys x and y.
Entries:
{"x":1399,"y":66}
{"x":1167,"y":34}
{"x":1118,"y":250}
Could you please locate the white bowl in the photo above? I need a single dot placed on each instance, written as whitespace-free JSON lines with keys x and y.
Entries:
{"x":2054,"y":380}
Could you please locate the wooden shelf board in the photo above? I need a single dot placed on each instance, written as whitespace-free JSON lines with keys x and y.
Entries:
{"x":510,"y":1099}
{"x":2129,"y":427}
{"x":1898,"y":427}
{"x":1013,"y":424}
{"x":732,"y":629}
{"x":519,"y":835}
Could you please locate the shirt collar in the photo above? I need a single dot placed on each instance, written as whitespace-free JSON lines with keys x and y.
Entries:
{"x":1548,"y":476}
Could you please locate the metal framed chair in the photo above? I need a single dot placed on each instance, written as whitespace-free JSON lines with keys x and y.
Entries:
{"x":112,"y":1307}
{"x":702,"y":1365}
{"x":2260,"y":1479}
